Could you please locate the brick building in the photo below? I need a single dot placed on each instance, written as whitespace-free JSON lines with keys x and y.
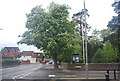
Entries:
{"x":11,"y":52}
{"x":31,"y":56}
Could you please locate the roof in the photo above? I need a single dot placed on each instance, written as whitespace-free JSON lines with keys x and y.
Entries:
{"x":26,"y":53}
{"x":10,"y":48}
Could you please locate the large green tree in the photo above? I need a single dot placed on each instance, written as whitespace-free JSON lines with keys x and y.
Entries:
{"x":94,"y":43}
{"x":98,"y":57}
{"x":109,"y":52}
{"x":51,"y":31}
{"x":100,"y":45}
{"x":114,"y":38}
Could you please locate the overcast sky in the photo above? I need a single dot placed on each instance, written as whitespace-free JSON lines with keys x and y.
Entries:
{"x":13,"y":18}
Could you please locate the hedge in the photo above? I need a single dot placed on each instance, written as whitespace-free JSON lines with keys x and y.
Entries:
{"x":9,"y":62}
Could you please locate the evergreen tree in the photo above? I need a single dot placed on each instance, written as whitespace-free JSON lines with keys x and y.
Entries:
{"x":114,"y":38}
{"x":109,"y":52}
{"x":98,"y":57}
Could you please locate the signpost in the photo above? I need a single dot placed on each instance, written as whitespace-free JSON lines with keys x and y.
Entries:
{"x":76,"y":58}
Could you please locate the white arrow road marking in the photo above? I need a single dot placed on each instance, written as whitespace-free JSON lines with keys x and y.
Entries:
{"x":25,"y":74}
{"x":22,"y":75}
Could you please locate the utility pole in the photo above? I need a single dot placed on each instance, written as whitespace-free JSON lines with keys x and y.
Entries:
{"x":83,"y":38}
{"x":82,"y":15}
{"x":86,"y":55}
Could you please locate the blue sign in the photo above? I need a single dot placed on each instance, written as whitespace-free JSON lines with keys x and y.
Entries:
{"x":75,"y":54}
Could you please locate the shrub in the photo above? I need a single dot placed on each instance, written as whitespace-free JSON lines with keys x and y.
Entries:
{"x":10,"y":62}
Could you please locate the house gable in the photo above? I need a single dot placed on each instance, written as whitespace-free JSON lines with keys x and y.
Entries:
{"x":11,"y":51}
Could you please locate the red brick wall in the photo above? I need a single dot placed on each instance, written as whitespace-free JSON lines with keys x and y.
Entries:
{"x":10,"y":53}
{"x":93,"y":66}
{"x":24,"y":62}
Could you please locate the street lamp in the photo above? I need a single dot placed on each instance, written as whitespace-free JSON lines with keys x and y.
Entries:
{"x":80,"y":20}
{"x":81,"y":16}
{"x":86,"y":54}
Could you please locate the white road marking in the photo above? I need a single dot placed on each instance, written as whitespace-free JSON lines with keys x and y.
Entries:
{"x":27,"y":74}
{"x":21,"y":77}
{"x":24,"y":74}
{"x":51,"y":76}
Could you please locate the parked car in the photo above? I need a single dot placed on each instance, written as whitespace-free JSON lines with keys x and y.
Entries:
{"x":52,"y":62}
{"x":43,"y":62}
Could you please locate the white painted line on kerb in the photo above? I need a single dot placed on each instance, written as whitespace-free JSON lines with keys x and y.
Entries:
{"x":51,"y":76}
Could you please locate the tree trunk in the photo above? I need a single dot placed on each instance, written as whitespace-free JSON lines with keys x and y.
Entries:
{"x":55,"y":62}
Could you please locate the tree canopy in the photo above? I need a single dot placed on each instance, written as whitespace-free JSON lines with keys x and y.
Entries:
{"x":114,"y":38}
{"x":51,"y":31}
{"x":109,"y":52}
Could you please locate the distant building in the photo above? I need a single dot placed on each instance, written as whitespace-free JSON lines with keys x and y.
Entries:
{"x":33,"y":57}
{"x":10,"y":52}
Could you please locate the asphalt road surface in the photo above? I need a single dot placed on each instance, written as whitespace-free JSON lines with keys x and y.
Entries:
{"x":19,"y":71}
{"x":34,"y":71}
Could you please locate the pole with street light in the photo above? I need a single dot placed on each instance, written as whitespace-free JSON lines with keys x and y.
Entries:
{"x":86,"y":54}
{"x":81,"y":19}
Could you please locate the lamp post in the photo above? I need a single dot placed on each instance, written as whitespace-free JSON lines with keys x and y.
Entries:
{"x":83,"y":38}
{"x":86,"y":54}
{"x":80,"y":18}
{"x":82,"y":15}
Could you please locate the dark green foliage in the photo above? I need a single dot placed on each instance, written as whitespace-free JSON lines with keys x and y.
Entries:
{"x":109,"y":52}
{"x":98,"y":57}
{"x":113,"y":23}
{"x":94,"y":44}
{"x":99,"y":43}
{"x":114,"y":38}
{"x":8,"y":62}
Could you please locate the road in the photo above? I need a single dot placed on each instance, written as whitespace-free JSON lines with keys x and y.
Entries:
{"x":34,"y":71}
{"x":19,"y":71}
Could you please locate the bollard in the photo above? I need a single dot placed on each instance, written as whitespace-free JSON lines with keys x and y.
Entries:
{"x":114,"y":73}
{"x":107,"y":71}
{"x":107,"y":77}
